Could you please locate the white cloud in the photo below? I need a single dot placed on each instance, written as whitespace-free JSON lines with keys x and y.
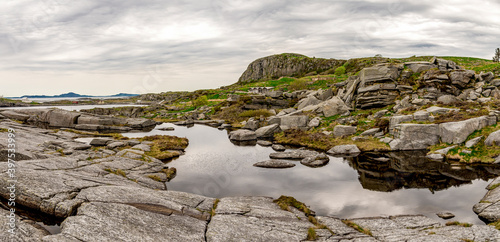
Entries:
{"x":209,"y":43}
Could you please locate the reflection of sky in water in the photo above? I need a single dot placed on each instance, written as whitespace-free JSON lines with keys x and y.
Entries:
{"x":213,"y":166}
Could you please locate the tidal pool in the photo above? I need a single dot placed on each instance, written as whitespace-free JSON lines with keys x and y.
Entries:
{"x":365,"y":186}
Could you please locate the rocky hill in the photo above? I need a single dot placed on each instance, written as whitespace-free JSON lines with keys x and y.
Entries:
{"x":287,"y":64}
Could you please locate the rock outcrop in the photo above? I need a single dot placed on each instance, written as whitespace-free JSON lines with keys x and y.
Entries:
{"x":286,"y":64}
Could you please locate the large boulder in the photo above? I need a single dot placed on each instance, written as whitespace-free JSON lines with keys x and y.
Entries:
{"x":334,"y":106}
{"x":296,"y":122}
{"x":457,"y":132}
{"x":377,"y":87}
{"x":462,"y":78}
{"x":308,"y":101}
{"x":315,"y":161}
{"x":242,"y":135}
{"x":61,"y":118}
{"x":415,"y":136}
{"x":420,"y":66}
{"x":448,"y":99}
{"x":343,"y":130}
{"x":383,"y":73}
{"x":268,"y":131}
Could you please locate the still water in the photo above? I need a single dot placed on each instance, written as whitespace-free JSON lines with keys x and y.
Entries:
{"x":403,"y":183}
{"x":77,"y":107}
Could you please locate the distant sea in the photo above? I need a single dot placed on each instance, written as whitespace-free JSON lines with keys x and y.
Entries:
{"x":51,"y":99}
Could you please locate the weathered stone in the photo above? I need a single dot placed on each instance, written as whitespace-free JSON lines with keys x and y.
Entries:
{"x":437,"y":157}
{"x":334,"y":106}
{"x":493,"y":139}
{"x":440,"y":110}
{"x":370,"y":132}
{"x":264,"y":143}
{"x":15,"y":115}
{"x":114,"y":145}
{"x":25,"y":230}
{"x":486,"y":76}
{"x":343,"y":150}
{"x":277,"y":147}
{"x":473,"y":142}
{"x":308,"y":101}
{"x":100,"y":141}
{"x":143,"y":147}
{"x":315,"y":122}
{"x":267,"y":131}
{"x":414,"y":136}
{"x":289,"y":122}
{"x":445,"y":215}
{"x":462,"y":78}
{"x":420,"y":66}
{"x":294,"y":155}
{"x":315,"y":161}
{"x":61,"y":118}
{"x":252,"y":124}
{"x":343,"y":130}
{"x":324,"y":95}
{"x":242,"y":135}
{"x":457,"y":132}
{"x":274,"y":164}
{"x":395,"y":120}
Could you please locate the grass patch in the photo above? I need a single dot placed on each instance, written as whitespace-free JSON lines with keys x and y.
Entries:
{"x":494,"y":186}
{"x":255,"y":113}
{"x":214,"y":207}
{"x":118,"y":172}
{"x":163,"y":143}
{"x":311,"y":234}
{"x":2,"y":130}
{"x":323,"y":142}
{"x":286,"y":202}
{"x":456,"y":223}
{"x":170,"y":172}
{"x":357,"y":227}
{"x":495,"y":224}
{"x":156,"y":178}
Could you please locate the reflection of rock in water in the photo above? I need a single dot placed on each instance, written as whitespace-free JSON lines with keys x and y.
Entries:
{"x":244,"y":143}
{"x":410,"y":169}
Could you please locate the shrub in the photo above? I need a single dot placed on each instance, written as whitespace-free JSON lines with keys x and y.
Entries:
{"x":297,"y":85}
{"x":340,"y":71}
{"x":255,"y":113}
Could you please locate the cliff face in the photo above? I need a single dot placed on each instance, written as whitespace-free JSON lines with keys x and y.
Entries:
{"x":287,"y":64}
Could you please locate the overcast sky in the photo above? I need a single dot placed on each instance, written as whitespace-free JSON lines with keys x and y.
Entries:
{"x":104,"y":47}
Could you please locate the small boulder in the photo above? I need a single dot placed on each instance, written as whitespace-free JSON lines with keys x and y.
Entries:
{"x":294,"y":155}
{"x":344,"y":150}
{"x":100,"y":142}
{"x":473,"y":142}
{"x":278,"y":148}
{"x":274,"y":164}
{"x":448,"y":99}
{"x":343,"y":130}
{"x":493,"y":139}
{"x":308,"y":101}
{"x":315,"y":161}
{"x":114,"y":145}
{"x":370,"y":132}
{"x":264,"y":143}
{"x":268,"y":131}
{"x":334,"y":106}
{"x":242,"y":135}
{"x":445,"y":215}
{"x":315,"y":122}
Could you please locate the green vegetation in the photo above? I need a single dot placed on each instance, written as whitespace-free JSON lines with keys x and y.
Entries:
{"x":214,"y":207}
{"x":357,"y":227}
{"x":117,"y":172}
{"x":494,"y":186}
{"x":163,"y":144}
{"x":456,"y":223}
{"x":311,"y":234}
{"x":200,"y":101}
{"x":496,"y":57}
{"x":495,"y":224}
{"x":4,"y":130}
{"x":340,"y":70}
{"x":286,"y":202}
{"x":323,"y":142}
{"x":255,"y":113}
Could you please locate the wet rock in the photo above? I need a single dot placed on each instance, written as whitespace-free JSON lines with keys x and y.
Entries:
{"x":100,"y":141}
{"x":277,"y":147}
{"x":344,"y":150}
{"x":445,"y":215}
{"x":264,"y":143}
{"x":434,"y":156}
{"x":473,"y":142}
{"x":274,"y":164}
{"x":315,"y":161}
{"x":457,"y":132}
{"x":343,"y":130}
{"x":415,"y":136}
{"x":268,"y":131}
{"x":493,"y":139}
{"x":167,"y":128}
{"x":242,"y":135}
{"x":294,"y":155}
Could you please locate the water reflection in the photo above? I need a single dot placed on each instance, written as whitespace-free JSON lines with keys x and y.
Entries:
{"x":368,"y":185}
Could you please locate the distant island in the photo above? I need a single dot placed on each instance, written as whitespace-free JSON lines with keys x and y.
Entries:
{"x":76,"y":95}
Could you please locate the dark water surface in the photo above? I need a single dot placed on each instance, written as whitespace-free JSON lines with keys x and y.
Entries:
{"x":404,"y":183}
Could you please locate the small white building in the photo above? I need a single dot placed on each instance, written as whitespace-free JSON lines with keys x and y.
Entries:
{"x":25,"y":100}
